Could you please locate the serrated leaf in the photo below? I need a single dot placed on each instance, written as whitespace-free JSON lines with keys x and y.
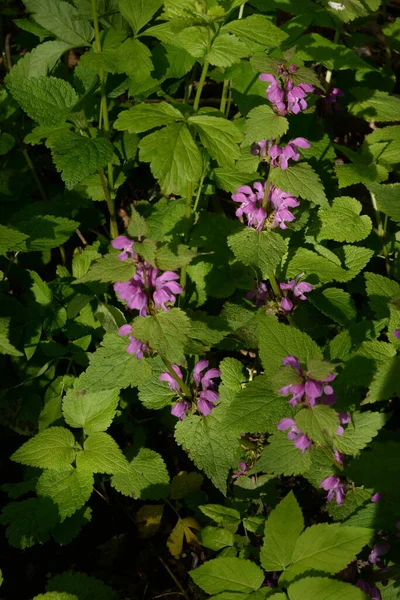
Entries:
{"x":215,"y":538}
{"x":228,"y":575}
{"x":381,"y":290}
{"x":320,"y":269}
{"x":354,"y":499}
{"x":315,"y":588}
{"x":185,"y":483}
{"x":300,"y":180}
{"x":133,"y":58}
{"x":259,"y":29}
{"x":51,"y":449}
{"x":342,"y":221}
{"x":226,"y":517}
{"x":263,"y":123}
{"x":62,"y":20}
{"x":139,"y":12}
{"x":146,"y":479}
{"x":108,"y":269}
{"x":65,"y":532}
{"x":386,"y":381}
{"x":77,"y":157}
{"x":92,"y":411}
{"x":101,"y":454}
{"x":278,"y":340}
{"x":281,"y":457}
{"x":173,"y":257}
{"x":227,"y":50}
{"x":230,"y":179}
{"x":47,"y":231}
{"x":262,"y":250}
{"x":81,"y":586}
{"x":173,"y":156}
{"x":165,"y":332}
{"x":47,"y":100}
{"x":373,"y":104}
{"x":314,"y":47}
{"x":327,"y":548}
{"x":387,"y":197}
{"x":44,"y":57}
{"x":318,"y":422}
{"x":11,"y":240}
{"x":69,"y":488}
{"x":359,"y":172}
{"x":219,"y":136}
{"x":284,"y":525}
{"x":29,"y":521}
{"x":336,"y":304}
{"x":143,"y":117}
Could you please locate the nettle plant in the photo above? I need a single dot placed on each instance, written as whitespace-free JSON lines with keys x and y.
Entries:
{"x":205,"y":267}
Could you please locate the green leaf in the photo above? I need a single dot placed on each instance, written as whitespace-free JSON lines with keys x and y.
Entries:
{"x":53,"y":448}
{"x":342,"y":222}
{"x":173,"y":156}
{"x":327,"y":548}
{"x":47,"y":231}
{"x":165,"y":332}
{"x":172,"y":257}
{"x":101,"y":454}
{"x":77,"y":157}
{"x":228,"y":518}
{"x":360,"y":431}
{"x":29,"y":521}
{"x":7,"y":142}
{"x":262,"y":250}
{"x":278,"y":340}
{"x":354,"y":499}
{"x":378,"y":469}
{"x":11,"y":240}
{"x":319,"y":423}
{"x":184,"y":484}
{"x":386,"y":381}
{"x":147,"y":477}
{"x":112,"y":367}
{"x":336,"y":304}
{"x":230,"y":179}
{"x":47,"y":100}
{"x":139,"y":12}
{"x":282,"y":458}
{"x":315,"y":588}
{"x":220,"y":137}
{"x":359,"y":172}
{"x":228,"y":575}
{"x":81,"y":586}
{"x":153,"y":393}
{"x":372,"y":104}
{"x":263,"y":123}
{"x":300,"y":180}
{"x":134,"y":59}
{"x":108,"y":269}
{"x":92,"y":411}
{"x":284,"y":525}
{"x":227,"y":50}
{"x":259,"y":29}
{"x":381,"y":290}
{"x":387,"y":197}
{"x":62,"y":20}
{"x":65,"y":532}
{"x":316,"y":48}
{"x":44,"y":57}
{"x":215,"y":538}
{"x":69,"y":488}
{"x":213,"y":449}
{"x":143,"y":117}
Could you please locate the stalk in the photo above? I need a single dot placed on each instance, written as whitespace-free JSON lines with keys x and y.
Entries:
{"x":106,"y":124}
{"x":381,"y":231}
{"x":275,"y":286}
{"x":188,"y":214}
{"x":226,"y":98}
{"x":110,"y":205}
{"x":34,"y":174}
{"x":200,"y":86}
{"x":184,"y":388}
{"x":328,"y":75}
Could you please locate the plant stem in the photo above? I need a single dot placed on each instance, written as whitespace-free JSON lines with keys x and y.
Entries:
{"x":110,"y":204}
{"x":328,"y":75}
{"x":224,"y":97}
{"x":200,"y":86}
{"x":106,"y":124}
{"x":34,"y":174}
{"x":182,"y":384}
{"x":381,"y":231}
{"x":275,"y":286}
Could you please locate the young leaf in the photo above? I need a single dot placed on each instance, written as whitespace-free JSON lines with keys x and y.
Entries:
{"x":263,"y":123}
{"x":139,"y":12}
{"x":143,"y":117}
{"x":360,"y":431}
{"x":92,"y":411}
{"x":220,"y":137}
{"x":342,"y":222}
{"x":262,"y":250}
{"x":165,"y":332}
{"x":147,"y":477}
{"x":101,"y":454}
{"x":53,"y":448}
{"x":69,"y":488}
{"x":62,"y":20}
{"x":300,"y":180}
{"x":284,"y":525}
{"x":228,"y":575}
{"x":77,"y":157}
{"x":181,"y":531}
{"x":173,"y":156}
{"x":315,"y":588}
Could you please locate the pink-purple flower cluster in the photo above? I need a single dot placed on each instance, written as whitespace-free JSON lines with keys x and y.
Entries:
{"x":280,"y":156}
{"x":148,"y":286}
{"x":309,"y":390}
{"x":135,"y":346}
{"x":287,"y":99}
{"x":126,"y":245}
{"x":301,"y":440}
{"x":294,"y":291}
{"x":203,"y":388}
{"x":256,"y":211}
{"x":334,"y":487}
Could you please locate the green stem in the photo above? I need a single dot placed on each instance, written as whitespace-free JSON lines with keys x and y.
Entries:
{"x":381,"y":231}
{"x":275,"y":286}
{"x":200,"y":86}
{"x":224,"y":97}
{"x":110,"y":205}
{"x":184,"y":388}
{"x":34,"y":174}
{"x":328,"y":75}
{"x":106,"y":123}
{"x":188,"y":214}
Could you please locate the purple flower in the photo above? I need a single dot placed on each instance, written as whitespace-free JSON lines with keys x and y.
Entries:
{"x":377,"y":551}
{"x":376,"y":497}
{"x":260,"y":148}
{"x":396,"y":333}
{"x":297,"y":289}
{"x":251,"y":201}
{"x":180,"y":409}
{"x":369,"y":589}
{"x":125,"y":329}
{"x":290,"y":99}
{"x":135,"y":346}
{"x":344,"y":419}
{"x":296,"y":96}
{"x":281,"y":156}
{"x":274,"y":93}
{"x":281,"y":202}
{"x":126,"y":245}
{"x":165,"y":288}
{"x":206,"y":401}
{"x":309,"y":390}
{"x":334,"y":487}
{"x":339,"y":457}
{"x":260,"y":293}
{"x":172,"y":383}
{"x":133,"y":292}
{"x":240,"y":471}
{"x":301,"y":440}
{"x":205,"y":381}
{"x":332,"y":101}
